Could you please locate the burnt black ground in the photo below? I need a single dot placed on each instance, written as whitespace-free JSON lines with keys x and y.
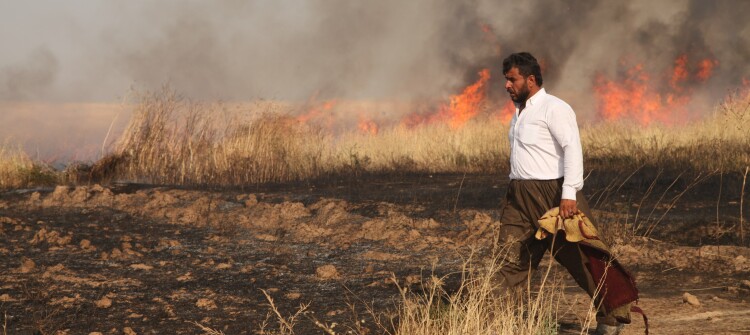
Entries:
{"x":241,"y":305}
{"x":155,"y":302}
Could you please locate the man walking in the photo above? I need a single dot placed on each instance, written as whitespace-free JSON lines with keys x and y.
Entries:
{"x":546,"y":171}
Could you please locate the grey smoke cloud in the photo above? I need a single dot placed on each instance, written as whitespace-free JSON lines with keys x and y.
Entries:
{"x":347,"y":49}
{"x":30,"y":76}
{"x":295,"y":49}
{"x":94,"y":51}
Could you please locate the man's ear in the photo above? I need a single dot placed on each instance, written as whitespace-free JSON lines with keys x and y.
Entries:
{"x":531,"y":79}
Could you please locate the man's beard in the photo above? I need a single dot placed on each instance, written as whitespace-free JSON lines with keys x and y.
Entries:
{"x":522,"y":95}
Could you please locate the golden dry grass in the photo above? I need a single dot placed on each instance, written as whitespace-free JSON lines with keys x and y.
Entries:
{"x":718,"y":142}
{"x":173,"y":141}
{"x":18,"y":170}
{"x":476,"y":309}
{"x":12,"y":164}
{"x":477,"y":306}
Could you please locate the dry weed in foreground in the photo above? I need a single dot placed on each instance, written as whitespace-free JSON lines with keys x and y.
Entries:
{"x":207,"y":330}
{"x":742,"y":198}
{"x":286,"y":324}
{"x":476,"y":309}
{"x":18,"y":170}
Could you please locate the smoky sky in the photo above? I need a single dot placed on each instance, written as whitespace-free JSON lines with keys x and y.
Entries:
{"x":80,"y":51}
{"x":95,"y":51}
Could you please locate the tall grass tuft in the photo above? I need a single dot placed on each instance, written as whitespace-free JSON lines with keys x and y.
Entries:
{"x":173,"y":141}
{"x":17,"y":170}
{"x":477,"y":308}
{"x":272,"y":148}
{"x":167,"y":141}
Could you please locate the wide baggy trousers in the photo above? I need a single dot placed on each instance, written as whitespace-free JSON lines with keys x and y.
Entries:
{"x":526,"y":202}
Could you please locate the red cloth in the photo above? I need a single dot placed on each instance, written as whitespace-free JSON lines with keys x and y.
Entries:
{"x":618,"y":287}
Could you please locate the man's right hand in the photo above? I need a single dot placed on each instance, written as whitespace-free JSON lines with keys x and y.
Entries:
{"x":568,"y":208}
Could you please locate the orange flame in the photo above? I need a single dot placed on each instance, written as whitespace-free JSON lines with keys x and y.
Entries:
{"x":460,"y":109}
{"x":487,"y":29}
{"x":506,"y":113}
{"x":638,"y":96}
{"x":631,"y":98}
{"x":706,"y":68}
{"x":680,"y":72}
{"x":317,"y":111}
{"x":368,"y":127}
{"x":465,"y":106}
{"x":745,"y":89}
{"x":413,"y":120}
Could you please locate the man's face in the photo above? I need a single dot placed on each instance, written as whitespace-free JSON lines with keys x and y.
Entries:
{"x":516,"y":85}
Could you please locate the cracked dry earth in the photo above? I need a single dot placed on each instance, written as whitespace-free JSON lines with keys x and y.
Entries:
{"x":134,"y":259}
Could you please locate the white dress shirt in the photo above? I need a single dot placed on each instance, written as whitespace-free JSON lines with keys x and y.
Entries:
{"x":545,"y":144}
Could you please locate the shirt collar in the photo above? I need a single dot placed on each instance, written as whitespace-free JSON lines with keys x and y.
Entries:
{"x":536,"y":98}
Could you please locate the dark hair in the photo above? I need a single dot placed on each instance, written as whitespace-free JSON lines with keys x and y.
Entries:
{"x":526,"y":64}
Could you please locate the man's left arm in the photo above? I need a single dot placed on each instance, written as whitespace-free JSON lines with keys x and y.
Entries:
{"x":564,"y":128}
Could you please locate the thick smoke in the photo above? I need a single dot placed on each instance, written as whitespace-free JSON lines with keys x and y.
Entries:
{"x":83,"y":51}
{"x":361,"y":50}
{"x":579,"y":39}
{"x":29,"y":77}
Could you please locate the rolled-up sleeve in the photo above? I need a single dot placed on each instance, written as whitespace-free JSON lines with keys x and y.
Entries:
{"x":562,"y":124}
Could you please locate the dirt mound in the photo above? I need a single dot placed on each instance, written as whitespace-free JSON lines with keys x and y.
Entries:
{"x":331,"y":222}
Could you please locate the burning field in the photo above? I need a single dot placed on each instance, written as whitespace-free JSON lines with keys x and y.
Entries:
{"x":285,"y":222}
{"x":339,"y":168}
